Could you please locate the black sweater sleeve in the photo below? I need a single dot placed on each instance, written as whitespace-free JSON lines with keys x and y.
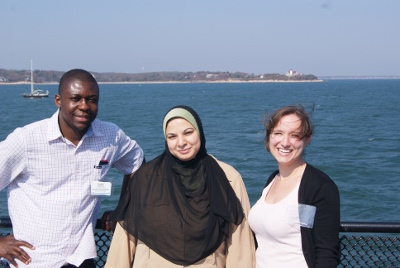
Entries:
{"x":321,"y":243}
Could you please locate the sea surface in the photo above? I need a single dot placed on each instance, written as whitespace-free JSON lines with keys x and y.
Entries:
{"x":356,"y":140}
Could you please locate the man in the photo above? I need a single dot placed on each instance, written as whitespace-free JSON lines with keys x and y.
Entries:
{"x":55,"y":170}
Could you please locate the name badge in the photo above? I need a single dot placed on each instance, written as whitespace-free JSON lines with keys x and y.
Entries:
{"x":300,"y":215}
{"x":100,"y":188}
{"x":307,"y":215}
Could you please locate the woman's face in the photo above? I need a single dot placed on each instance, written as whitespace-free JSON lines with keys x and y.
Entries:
{"x":183,"y":139}
{"x":285,"y":143}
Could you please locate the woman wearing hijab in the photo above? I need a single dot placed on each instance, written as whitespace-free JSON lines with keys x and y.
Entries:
{"x":184,"y":208}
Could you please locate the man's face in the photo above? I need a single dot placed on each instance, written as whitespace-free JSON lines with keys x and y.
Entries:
{"x":78,"y":104}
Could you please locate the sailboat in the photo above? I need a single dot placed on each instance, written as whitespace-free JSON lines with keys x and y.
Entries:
{"x":35,"y":93}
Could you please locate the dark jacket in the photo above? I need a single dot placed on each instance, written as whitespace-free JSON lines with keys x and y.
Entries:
{"x":321,"y":243}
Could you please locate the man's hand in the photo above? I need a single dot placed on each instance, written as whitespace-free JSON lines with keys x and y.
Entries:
{"x":106,"y":224}
{"x":10,"y":248}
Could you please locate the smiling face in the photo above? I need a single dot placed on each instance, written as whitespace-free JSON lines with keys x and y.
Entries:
{"x":286,"y":143}
{"x":183,"y":139}
{"x":78,"y":104}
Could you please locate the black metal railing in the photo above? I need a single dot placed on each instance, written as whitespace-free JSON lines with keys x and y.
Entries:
{"x":363,"y":244}
{"x":370,"y":244}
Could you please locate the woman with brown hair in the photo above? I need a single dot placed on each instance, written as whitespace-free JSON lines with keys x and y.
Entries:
{"x":296,"y":220}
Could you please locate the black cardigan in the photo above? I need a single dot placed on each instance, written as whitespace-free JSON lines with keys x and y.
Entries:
{"x":320,"y":244}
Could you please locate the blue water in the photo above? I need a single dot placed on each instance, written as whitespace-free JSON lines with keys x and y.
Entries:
{"x":356,"y":140}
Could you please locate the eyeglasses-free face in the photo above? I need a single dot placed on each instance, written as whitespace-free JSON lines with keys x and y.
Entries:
{"x":285,"y":142}
{"x":183,"y":139}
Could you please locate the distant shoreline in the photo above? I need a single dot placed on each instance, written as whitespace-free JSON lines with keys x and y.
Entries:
{"x":180,"y":82}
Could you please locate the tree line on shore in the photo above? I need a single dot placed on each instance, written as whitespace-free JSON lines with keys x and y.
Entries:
{"x":43,"y":76}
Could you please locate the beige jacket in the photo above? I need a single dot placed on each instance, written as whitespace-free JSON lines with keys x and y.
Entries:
{"x":238,"y":251}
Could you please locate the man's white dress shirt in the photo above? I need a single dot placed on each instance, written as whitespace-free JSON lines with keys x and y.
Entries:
{"x":49,"y":186}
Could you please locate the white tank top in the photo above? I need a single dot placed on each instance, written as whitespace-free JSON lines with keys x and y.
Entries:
{"x":277,"y":231}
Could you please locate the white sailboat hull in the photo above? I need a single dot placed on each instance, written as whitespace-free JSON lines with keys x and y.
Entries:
{"x":35,"y":93}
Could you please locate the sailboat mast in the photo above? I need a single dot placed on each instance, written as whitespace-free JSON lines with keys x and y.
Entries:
{"x":31,"y":78}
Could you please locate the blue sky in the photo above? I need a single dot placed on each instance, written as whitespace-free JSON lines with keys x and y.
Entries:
{"x":321,"y":37}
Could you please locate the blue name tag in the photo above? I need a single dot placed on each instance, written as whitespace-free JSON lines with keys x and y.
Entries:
{"x":307,"y":215}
